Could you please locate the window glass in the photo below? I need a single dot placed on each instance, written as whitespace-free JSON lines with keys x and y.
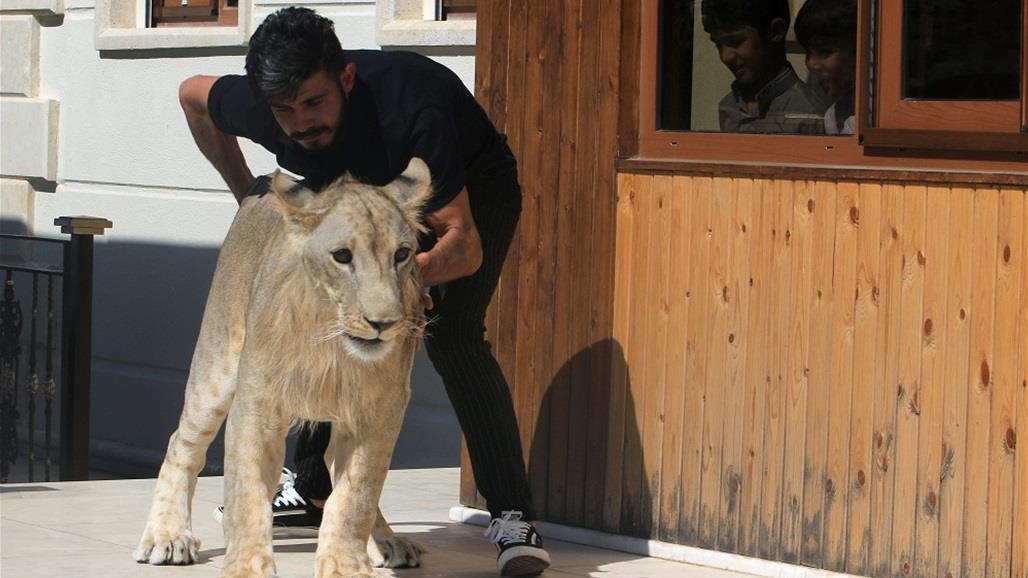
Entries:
{"x":757,"y":66}
{"x":962,"y":49}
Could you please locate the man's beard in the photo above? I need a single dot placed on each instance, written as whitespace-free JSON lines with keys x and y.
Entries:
{"x":317,"y":145}
{"x":301,"y":137}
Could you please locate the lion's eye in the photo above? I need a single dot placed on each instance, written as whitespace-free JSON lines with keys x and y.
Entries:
{"x":343,"y":256}
{"x":401,"y":254}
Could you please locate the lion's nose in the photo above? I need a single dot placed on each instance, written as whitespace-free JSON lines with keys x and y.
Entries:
{"x":380,"y":325}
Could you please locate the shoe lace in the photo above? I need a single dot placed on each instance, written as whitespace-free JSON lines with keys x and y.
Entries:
{"x":286,"y":495}
{"x":508,"y":528}
{"x":286,"y":477}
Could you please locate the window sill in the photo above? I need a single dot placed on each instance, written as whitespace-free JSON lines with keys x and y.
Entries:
{"x":34,"y":6}
{"x":827,"y":153}
{"x":766,"y":170}
{"x":165,"y":38}
{"x":427,"y":33}
{"x":118,"y":29}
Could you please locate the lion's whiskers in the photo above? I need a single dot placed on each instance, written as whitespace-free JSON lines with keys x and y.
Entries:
{"x":333,"y":331}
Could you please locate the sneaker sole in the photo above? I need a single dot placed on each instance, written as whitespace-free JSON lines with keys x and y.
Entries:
{"x":524,"y":561}
{"x":219,"y":516}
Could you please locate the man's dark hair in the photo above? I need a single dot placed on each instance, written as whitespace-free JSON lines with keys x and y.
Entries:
{"x":725,"y":15}
{"x":290,"y":46}
{"x":827,"y":25}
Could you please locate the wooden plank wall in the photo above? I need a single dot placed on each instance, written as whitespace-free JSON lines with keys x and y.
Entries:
{"x":824,"y":373}
{"x":548,"y":75}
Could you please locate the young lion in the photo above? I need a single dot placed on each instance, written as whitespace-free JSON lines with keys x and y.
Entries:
{"x":312,"y":316}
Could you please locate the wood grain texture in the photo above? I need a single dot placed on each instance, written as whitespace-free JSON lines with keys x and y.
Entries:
{"x":717,"y":310}
{"x":844,"y":282}
{"x":675,"y":389}
{"x":1010,"y":268}
{"x":798,"y":366}
{"x":862,"y":449}
{"x":1019,"y":560}
{"x":883,"y":443}
{"x":866,"y":321}
{"x":954,"y":402}
{"x":907,"y":411}
{"x":798,"y":380}
{"x":979,"y":380}
{"x":735,"y":367}
{"x":758,"y":371}
{"x":816,"y":452}
{"x":696,"y":344}
{"x":929,"y":395}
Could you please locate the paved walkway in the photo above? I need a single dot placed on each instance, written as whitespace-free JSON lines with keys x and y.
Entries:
{"x":89,"y":529}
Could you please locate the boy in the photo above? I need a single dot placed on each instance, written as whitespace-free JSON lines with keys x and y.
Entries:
{"x":827,"y":30}
{"x":766,"y":96}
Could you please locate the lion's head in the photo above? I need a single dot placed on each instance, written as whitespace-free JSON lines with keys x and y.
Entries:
{"x":355,"y":243}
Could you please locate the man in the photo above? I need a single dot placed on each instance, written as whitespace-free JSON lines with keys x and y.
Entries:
{"x":766,"y":95}
{"x":323,"y":112}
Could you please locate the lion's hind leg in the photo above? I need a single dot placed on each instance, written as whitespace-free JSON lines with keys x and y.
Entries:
{"x":387,"y":550}
{"x":168,"y":536}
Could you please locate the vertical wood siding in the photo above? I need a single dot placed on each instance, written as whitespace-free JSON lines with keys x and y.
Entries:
{"x":851,"y":386}
{"x":548,"y":74}
{"x":825,"y":373}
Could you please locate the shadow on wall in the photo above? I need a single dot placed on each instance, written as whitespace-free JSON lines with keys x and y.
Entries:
{"x":11,"y":226}
{"x":586,"y":465}
{"x":148,"y":303}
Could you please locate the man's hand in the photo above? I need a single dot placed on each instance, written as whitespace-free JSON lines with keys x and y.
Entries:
{"x":458,"y":249}
{"x":221,"y":149}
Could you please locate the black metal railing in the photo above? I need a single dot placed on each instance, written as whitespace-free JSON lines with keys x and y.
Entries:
{"x":45,"y":352}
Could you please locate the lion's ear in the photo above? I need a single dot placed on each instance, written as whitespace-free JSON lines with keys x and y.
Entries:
{"x":297,"y":201}
{"x":412,"y":189}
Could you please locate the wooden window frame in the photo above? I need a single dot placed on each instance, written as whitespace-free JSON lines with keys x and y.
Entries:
{"x":457,"y":9}
{"x":872,"y":146}
{"x":222,"y":14}
{"x":973,"y":125}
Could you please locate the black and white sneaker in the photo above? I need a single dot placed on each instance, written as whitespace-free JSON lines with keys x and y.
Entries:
{"x":288,"y":508}
{"x":519,"y":547}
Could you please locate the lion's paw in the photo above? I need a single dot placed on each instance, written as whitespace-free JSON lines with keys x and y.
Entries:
{"x":256,"y":566}
{"x":167,"y":547}
{"x":396,"y":552}
{"x":329,"y":566}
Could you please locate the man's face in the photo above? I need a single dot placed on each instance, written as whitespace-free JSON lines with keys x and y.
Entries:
{"x":749,"y":54}
{"x":833,"y":70}
{"x":313,"y":117}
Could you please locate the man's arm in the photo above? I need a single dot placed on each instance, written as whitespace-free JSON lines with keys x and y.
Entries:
{"x":458,"y":249}
{"x":221,"y":149}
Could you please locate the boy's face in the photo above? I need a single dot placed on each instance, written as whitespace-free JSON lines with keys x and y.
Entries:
{"x":313,"y":117}
{"x":834,"y":70}
{"x":752,"y":57}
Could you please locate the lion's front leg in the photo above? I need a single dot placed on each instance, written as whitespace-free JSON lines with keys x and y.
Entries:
{"x":168,"y":537}
{"x":254,"y":451}
{"x":350,"y":512}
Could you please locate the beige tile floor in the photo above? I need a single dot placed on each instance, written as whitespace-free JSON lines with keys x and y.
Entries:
{"x":89,"y":529}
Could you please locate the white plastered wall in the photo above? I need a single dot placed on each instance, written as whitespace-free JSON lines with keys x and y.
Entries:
{"x":119,"y":148}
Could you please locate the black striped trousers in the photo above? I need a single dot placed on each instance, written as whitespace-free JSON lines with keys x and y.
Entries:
{"x":474,"y":383}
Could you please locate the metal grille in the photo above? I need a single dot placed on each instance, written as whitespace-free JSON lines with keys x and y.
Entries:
{"x":45,"y":348}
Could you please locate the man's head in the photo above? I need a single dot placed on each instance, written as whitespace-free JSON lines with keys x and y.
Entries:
{"x":827,"y":29}
{"x":749,"y":35}
{"x":296,"y":65}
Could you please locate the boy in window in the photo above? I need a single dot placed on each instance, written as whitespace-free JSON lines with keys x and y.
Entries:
{"x":827,"y":30}
{"x":767,"y":96}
